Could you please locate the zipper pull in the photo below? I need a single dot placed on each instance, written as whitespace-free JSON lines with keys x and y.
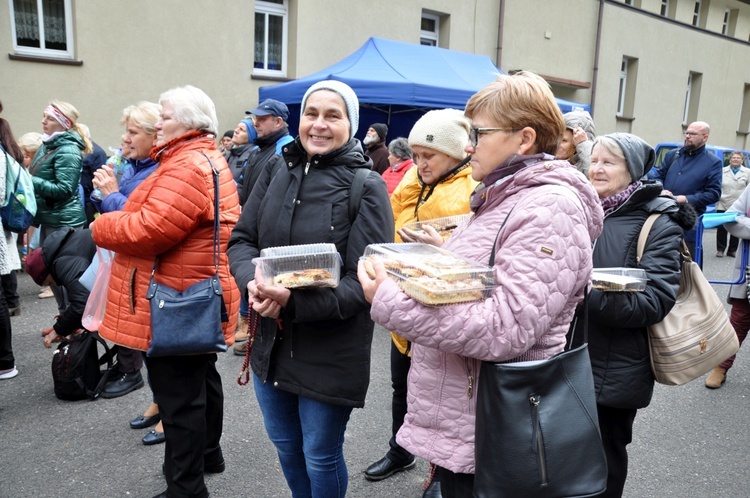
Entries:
{"x":307,"y":167}
{"x":471,"y":386}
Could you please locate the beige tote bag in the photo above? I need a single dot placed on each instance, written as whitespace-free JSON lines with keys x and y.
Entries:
{"x":696,"y":334}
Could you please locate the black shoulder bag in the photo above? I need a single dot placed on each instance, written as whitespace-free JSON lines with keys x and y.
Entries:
{"x":537,"y":428}
{"x":189,"y":322}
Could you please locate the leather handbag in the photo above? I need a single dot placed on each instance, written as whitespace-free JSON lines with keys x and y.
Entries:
{"x":696,"y":335}
{"x":537,"y":428}
{"x":189,"y":322}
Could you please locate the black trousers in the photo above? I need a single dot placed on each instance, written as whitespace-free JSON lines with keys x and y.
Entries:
{"x":7,"y":361}
{"x":191,"y":405}
{"x":721,"y":239}
{"x":10,"y":288}
{"x":616,"y":426}
{"x":129,"y":360}
{"x":400,"y":364}
{"x":453,"y":485}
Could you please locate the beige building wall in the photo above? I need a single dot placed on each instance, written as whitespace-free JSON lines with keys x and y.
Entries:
{"x":132,"y":51}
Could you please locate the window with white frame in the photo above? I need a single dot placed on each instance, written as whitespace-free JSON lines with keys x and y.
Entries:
{"x":623,"y":86}
{"x":42,"y":28}
{"x":664,"y":8}
{"x":429,"y":30}
{"x":692,"y":97}
{"x":270,"y":48}
{"x":688,"y":91}
{"x":725,"y":22}
{"x":697,"y":13}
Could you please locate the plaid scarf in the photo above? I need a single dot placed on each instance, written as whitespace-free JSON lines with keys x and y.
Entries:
{"x":611,"y":203}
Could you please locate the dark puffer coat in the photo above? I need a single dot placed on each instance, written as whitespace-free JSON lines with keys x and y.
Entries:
{"x":618,"y":340}
{"x":323,"y":350}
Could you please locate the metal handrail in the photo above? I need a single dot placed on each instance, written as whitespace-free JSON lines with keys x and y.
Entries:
{"x":744,"y":255}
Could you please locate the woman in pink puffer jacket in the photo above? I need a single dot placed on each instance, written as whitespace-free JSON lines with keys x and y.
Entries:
{"x":542,"y":265}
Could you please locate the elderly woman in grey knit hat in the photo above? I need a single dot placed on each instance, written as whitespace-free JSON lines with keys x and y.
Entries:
{"x":618,"y":341}
{"x":577,"y":140}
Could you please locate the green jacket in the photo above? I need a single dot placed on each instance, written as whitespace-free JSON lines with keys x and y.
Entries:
{"x":56,"y":173}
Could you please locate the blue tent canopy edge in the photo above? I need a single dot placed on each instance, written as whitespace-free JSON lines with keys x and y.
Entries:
{"x":403,"y":80}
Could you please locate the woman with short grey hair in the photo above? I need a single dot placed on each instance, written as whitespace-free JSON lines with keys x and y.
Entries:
{"x":400,"y":159}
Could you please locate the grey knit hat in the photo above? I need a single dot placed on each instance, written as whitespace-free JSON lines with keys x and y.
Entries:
{"x":445,"y":130}
{"x":580,"y":119}
{"x":346,"y":93}
{"x":639,"y":156}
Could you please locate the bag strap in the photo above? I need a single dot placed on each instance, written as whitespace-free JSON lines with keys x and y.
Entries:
{"x":216,"y":236}
{"x":643,"y":235}
{"x":494,"y":244}
{"x":355,"y":192}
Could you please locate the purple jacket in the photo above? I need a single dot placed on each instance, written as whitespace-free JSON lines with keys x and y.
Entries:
{"x":542,"y":265}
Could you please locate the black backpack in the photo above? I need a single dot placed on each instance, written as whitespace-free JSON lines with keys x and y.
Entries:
{"x":75,"y":366}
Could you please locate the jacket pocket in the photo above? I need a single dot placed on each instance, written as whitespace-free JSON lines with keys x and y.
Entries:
{"x":131,"y":290}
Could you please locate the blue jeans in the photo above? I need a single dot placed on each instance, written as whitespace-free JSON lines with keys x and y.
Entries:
{"x":309,"y":439}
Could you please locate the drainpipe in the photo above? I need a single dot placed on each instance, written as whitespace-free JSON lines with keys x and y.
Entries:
{"x":596,"y":56}
{"x":500,"y":20}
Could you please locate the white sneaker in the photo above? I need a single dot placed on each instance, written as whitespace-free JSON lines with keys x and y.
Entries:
{"x":8,"y":374}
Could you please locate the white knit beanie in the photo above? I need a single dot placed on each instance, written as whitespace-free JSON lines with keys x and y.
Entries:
{"x":445,"y":130}
{"x":346,"y":93}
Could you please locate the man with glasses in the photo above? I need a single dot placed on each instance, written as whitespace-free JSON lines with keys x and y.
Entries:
{"x":692,"y":174}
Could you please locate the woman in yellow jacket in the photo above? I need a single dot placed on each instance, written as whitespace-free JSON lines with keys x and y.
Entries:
{"x":439,"y":186}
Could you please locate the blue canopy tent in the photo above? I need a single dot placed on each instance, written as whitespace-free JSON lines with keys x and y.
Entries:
{"x":398,"y":82}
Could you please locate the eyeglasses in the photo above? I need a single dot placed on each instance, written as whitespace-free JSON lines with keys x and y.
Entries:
{"x":692,"y":133}
{"x":475,"y":133}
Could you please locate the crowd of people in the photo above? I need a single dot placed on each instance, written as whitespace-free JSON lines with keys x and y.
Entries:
{"x":537,"y":192}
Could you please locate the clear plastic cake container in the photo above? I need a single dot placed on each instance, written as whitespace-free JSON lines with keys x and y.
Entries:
{"x":444,"y":226}
{"x":619,"y":279}
{"x":432,"y":275}
{"x":307,"y":265}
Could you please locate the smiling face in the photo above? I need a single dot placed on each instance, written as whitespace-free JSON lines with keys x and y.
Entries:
{"x":138,"y":141}
{"x":168,"y":128}
{"x":608,"y":173}
{"x":736,"y":159}
{"x":324,"y":126}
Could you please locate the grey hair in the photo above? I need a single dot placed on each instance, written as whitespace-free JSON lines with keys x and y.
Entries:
{"x":192,"y":107}
{"x":399,"y":147}
{"x":143,"y":116}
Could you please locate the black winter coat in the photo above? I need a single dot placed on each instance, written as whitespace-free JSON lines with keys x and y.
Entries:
{"x":323,"y":350}
{"x":618,"y":340}
{"x":67,"y":253}
{"x":260,"y":159}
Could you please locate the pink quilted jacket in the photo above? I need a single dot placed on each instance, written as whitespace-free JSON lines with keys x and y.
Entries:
{"x":542,"y":264}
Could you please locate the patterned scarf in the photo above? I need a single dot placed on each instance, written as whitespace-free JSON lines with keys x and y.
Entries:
{"x":611,"y":203}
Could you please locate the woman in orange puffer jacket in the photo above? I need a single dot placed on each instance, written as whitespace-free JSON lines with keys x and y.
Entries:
{"x":170,"y":215}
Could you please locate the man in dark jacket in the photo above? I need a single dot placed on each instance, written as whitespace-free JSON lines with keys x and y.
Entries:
{"x":692,"y":174}
{"x":273,"y":134}
{"x":376,"y":149}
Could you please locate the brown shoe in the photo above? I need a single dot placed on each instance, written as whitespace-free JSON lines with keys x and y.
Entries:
{"x":240,"y":349}
{"x":716,"y":378}
{"x":241,"y":334}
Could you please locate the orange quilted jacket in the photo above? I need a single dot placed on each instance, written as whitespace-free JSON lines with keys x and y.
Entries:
{"x":170,"y":214}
